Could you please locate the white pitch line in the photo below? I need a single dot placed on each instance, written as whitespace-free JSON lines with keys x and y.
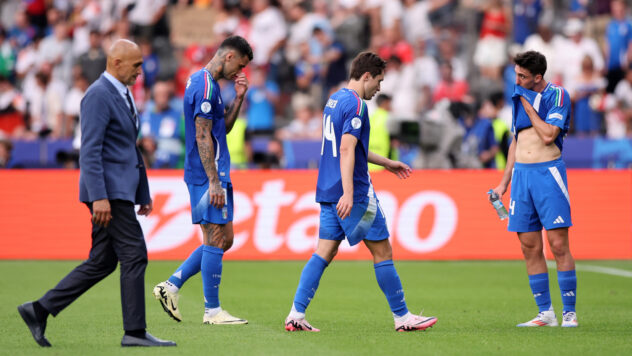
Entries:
{"x":598,"y":269}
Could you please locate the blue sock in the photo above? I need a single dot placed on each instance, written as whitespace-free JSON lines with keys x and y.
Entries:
{"x":540,"y":287}
{"x":307,"y":285}
{"x":211,"y":275}
{"x":568,"y":286}
{"x":188,"y":268}
{"x":389,"y":282}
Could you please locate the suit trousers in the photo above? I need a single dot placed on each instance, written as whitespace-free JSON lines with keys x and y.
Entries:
{"x":121,"y":241}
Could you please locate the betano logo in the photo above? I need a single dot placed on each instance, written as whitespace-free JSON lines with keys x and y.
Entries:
{"x":274,"y":218}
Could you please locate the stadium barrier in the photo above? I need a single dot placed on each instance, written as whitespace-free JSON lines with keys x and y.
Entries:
{"x":434,"y":215}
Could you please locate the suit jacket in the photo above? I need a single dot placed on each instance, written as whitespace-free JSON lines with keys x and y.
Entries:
{"x":111,"y":166}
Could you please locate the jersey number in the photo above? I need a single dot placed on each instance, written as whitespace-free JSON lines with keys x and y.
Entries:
{"x":329,"y":135}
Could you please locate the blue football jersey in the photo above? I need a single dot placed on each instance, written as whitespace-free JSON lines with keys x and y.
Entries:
{"x":202,"y":98}
{"x":345,"y":113}
{"x":553,"y":105}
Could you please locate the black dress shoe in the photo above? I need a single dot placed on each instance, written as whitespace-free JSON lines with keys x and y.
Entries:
{"x":147,"y":340}
{"x":37,"y":327}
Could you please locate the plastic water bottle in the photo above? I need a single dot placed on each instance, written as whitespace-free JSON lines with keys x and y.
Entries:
{"x":498,"y":205}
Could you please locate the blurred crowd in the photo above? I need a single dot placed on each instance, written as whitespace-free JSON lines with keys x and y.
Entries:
{"x":444,"y":101}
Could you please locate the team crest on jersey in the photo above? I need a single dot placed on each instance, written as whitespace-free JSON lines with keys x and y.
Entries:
{"x":205,"y":107}
{"x":356,"y":123}
{"x":188,"y":83}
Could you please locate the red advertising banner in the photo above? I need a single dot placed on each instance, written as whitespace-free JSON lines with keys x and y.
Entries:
{"x":434,"y":215}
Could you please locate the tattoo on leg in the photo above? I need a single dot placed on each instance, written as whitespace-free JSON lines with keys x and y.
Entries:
{"x":213,"y":235}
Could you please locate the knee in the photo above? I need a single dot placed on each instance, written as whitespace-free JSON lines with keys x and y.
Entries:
{"x":559,"y":248}
{"x":531,"y":249}
{"x":228,"y":243}
{"x":384,"y":254}
{"x":327,"y":254}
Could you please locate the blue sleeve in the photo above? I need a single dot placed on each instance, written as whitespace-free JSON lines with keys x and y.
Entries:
{"x":95,"y":117}
{"x":353,"y":118}
{"x":202,"y":100}
{"x":559,"y":114}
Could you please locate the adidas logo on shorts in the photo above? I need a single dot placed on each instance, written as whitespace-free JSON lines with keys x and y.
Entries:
{"x":559,"y":220}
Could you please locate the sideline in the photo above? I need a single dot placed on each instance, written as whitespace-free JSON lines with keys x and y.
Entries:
{"x":597,"y":269}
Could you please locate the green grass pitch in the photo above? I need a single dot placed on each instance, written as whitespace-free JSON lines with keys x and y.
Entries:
{"x":478,"y":305}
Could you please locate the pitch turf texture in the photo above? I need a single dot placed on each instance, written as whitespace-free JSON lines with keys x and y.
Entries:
{"x":478,"y":305}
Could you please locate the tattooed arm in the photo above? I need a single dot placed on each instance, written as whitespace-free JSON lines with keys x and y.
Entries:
{"x":206,"y":149}
{"x":241,"y":85}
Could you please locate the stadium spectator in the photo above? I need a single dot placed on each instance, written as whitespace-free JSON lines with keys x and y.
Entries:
{"x":147,"y":17}
{"x":525,"y":19}
{"x":164,"y":126}
{"x":72,"y":105}
{"x":550,"y":44}
{"x":587,"y":121}
{"x":7,"y":56}
{"x":11,"y":110}
{"x":6,"y":149}
{"x":491,"y":47}
{"x":92,"y":62}
{"x":400,"y":84}
{"x":267,"y":33}
{"x":22,"y":32}
{"x":261,"y":99}
{"x":151,"y":65}
{"x":306,"y":125}
{"x":333,"y":61}
{"x":449,"y":87}
{"x":618,"y":38}
{"x":502,"y":134}
{"x":479,"y":146}
{"x":379,"y":137}
{"x":577,"y":46}
{"x":349,"y":26}
{"x":56,"y":50}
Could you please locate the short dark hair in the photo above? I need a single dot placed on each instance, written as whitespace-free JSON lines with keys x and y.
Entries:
{"x":239,"y":44}
{"x":533,"y":61}
{"x":381,"y":98}
{"x":367,"y":62}
{"x":497,"y":98}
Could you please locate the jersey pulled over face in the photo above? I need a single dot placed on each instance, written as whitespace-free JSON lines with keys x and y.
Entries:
{"x":345,"y":113}
{"x":552,"y":105}
{"x":202,"y":99}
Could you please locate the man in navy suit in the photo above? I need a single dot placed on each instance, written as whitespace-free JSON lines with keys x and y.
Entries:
{"x":112,"y":180}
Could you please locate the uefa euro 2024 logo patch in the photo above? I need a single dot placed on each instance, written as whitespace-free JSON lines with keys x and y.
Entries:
{"x":205,"y":107}
{"x":356,"y":123}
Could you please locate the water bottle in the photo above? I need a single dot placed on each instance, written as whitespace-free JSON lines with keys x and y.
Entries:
{"x":498,"y":205}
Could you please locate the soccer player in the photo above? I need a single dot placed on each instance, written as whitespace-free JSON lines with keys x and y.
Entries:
{"x":539,"y":194}
{"x":206,"y":172}
{"x":348,"y":204}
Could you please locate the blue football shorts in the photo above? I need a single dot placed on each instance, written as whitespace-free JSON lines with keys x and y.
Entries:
{"x":202,"y":212}
{"x":366,"y":222}
{"x":539,"y":197}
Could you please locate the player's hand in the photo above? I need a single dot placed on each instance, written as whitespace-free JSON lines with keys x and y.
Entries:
{"x":499,"y":190}
{"x":146,"y":209}
{"x":101,"y":212}
{"x":241,"y":84}
{"x":526,"y":104}
{"x":400,"y":169}
{"x":345,"y":203}
{"x":216,"y":195}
